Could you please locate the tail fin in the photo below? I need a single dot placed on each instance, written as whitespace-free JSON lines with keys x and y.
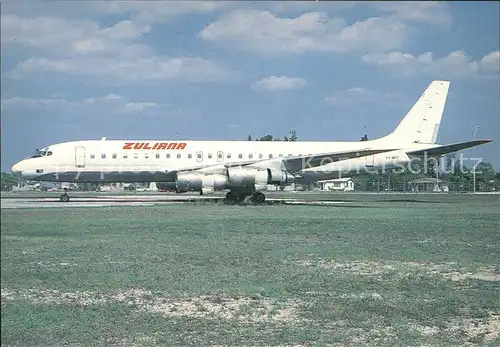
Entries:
{"x":421,"y":123}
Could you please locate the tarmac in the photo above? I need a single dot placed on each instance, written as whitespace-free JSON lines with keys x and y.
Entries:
{"x":139,"y":200}
{"x":12,"y":200}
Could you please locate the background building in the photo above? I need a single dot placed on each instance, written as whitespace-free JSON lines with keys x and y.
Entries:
{"x":339,"y":184}
{"x":428,"y":184}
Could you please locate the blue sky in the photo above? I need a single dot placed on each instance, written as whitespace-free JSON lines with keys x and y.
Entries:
{"x":223,"y":70}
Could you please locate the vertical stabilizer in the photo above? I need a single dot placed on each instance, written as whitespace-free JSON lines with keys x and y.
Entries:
{"x":421,"y":123}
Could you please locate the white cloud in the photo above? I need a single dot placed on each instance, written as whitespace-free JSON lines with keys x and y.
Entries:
{"x":264,"y":33}
{"x":69,"y":36}
{"x":109,"y":104}
{"x":112,"y":97}
{"x":160,"y":11}
{"x":433,"y":12}
{"x":277,"y":83}
{"x":108,"y":54}
{"x":491,"y":62}
{"x":456,"y":64}
{"x":109,"y":70}
{"x":360,"y":95}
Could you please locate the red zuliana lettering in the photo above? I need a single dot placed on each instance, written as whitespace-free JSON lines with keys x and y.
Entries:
{"x":156,"y":146}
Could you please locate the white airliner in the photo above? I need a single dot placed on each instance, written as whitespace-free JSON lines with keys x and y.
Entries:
{"x":245,"y":168}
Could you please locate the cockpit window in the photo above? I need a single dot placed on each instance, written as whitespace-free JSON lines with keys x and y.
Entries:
{"x":41,"y":153}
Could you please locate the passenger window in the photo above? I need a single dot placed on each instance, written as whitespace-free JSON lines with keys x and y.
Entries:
{"x":228,"y":155}
{"x":92,"y":156}
{"x":49,"y":153}
{"x":260,"y":155}
{"x":103,"y":156}
{"x":125,"y":156}
{"x":280,"y":155}
{"x":199,"y":156}
{"x":289,"y":155}
{"x":136,"y":155}
{"x":168,"y":155}
{"x":179,"y":156}
{"x":219,"y":155}
{"x":250,"y":156}
{"x":146,"y":155}
{"x":189,"y":156}
{"x":270,"y":156}
{"x":209,"y":155}
{"x":114,"y":155}
{"x":157,"y":156}
{"x":240,"y":155}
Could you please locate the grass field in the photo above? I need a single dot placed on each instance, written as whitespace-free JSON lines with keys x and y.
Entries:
{"x":361,"y":274}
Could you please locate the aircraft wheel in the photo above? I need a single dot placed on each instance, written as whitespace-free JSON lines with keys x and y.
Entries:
{"x":233,"y":198}
{"x":259,"y":197}
{"x":64,"y":198}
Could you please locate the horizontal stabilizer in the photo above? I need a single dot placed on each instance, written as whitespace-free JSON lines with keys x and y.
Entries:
{"x":438,"y":151}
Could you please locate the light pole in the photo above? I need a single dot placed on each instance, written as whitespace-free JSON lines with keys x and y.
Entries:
{"x":474,"y":171}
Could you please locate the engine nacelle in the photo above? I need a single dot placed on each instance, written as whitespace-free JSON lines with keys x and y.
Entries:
{"x":238,"y":177}
{"x":276,"y":176}
{"x":166,"y":186}
{"x":196,"y":181}
{"x":214,"y":182}
{"x":188,"y":181}
{"x":235,"y":178}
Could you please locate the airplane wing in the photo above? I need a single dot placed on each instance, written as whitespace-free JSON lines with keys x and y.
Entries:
{"x":291,"y":164}
{"x":297,"y":163}
{"x":440,"y":150}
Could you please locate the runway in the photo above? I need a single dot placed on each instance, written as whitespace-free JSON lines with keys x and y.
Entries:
{"x":140,"y":200}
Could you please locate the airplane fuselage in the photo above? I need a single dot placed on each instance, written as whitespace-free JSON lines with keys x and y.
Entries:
{"x":148,"y":161}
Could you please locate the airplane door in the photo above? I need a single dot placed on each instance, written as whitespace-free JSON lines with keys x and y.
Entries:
{"x":80,"y":156}
{"x":199,"y":156}
{"x":369,"y":160}
{"x":220,"y":156}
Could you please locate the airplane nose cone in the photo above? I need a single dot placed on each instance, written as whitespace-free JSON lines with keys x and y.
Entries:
{"x":16,"y":170}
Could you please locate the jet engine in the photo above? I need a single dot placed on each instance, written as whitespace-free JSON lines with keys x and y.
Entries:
{"x":280,"y":177}
{"x":243,"y":176}
{"x":234,"y":178}
{"x":197,"y":181}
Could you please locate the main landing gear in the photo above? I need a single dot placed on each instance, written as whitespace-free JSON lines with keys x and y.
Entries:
{"x":234,"y":197}
{"x":65,"y":196}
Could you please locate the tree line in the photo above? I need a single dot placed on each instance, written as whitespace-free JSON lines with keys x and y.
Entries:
{"x":292,"y":137}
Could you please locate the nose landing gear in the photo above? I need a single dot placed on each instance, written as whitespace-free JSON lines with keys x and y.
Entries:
{"x":65,"y":196}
